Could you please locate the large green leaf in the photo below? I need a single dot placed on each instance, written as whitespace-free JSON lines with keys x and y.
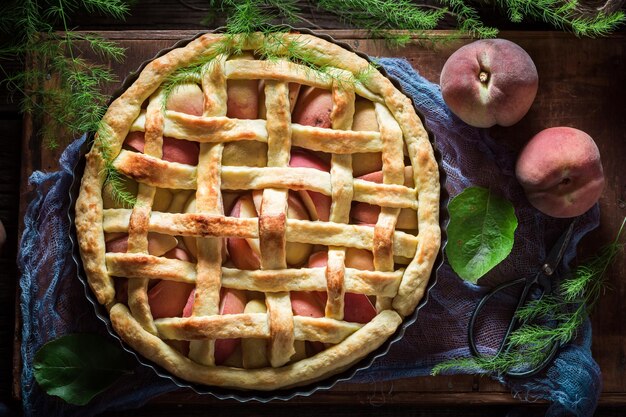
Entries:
{"x":480,"y":232}
{"x":77,"y":367}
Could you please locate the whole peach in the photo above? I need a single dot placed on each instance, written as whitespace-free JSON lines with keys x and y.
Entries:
{"x":561,"y":172}
{"x":488,"y":82}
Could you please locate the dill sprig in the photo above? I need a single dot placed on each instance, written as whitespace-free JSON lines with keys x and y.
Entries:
{"x":113,"y":178}
{"x":468,"y":20}
{"x":398,"y":21}
{"x":58,"y":87}
{"x":562,"y":15}
{"x":273,"y":48}
{"x":566,"y":310}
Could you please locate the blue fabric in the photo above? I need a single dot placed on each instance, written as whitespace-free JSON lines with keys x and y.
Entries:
{"x":53,"y":302}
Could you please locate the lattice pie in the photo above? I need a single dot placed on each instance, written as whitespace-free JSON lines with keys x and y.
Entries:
{"x":286,"y":215}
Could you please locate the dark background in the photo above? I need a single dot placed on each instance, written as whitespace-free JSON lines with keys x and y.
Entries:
{"x":172,"y":14}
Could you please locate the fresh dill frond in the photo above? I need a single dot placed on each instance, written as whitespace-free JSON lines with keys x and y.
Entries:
{"x":113,"y":178}
{"x":58,"y":86}
{"x":382,"y":17}
{"x":400,"y":21}
{"x":469,"y":20}
{"x":562,"y":15}
{"x":563,"y":312}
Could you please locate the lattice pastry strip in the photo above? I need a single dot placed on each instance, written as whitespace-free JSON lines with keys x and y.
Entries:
{"x":208,"y":200}
{"x":271,"y":324}
{"x":199,"y":225}
{"x":272,"y":224}
{"x":342,"y":193}
{"x":137,"y":266}
{"x":140,"y":216}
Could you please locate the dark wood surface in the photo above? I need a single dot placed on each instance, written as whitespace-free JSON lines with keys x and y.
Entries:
{"x":582,"y":84}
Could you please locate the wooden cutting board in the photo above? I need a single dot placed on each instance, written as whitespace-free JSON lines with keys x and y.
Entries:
{"x":582,"y":84}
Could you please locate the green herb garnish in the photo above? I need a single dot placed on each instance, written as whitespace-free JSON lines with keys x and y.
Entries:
{"x":480,"y":233}
{"x":381,"y":18}
{"x":569,"y":307}
{"x":57,"y":86}
{"x":77,"y":367}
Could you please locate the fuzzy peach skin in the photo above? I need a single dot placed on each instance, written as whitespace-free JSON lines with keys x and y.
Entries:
{"x":168,"y":298}
{"x":158,"y":245}
{"x":561,"y":172}
{"x":489,"y":82}
{"x":294,"y":91}
{"x":313,"y":107}
{"x":232,"y":301}
{"x":243,"y":96}
{"x":245,"y":253}
{"x":357,"y":307}
{"x":317,"y":203}
{"x":174,"y":150}
{"x":186,"y":98}
{"x":364,"y":213}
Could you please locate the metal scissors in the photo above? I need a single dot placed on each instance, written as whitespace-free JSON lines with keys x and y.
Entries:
{"x":540,"y":281}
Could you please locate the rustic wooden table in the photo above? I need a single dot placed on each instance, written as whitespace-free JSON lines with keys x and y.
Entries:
{"x":582,"y":84}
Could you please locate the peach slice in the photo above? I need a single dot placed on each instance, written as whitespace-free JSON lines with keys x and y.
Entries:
{"x":313,"y":108}
{"x":364,"y":116}
{"x":181,"y":151}
{"x":162,"y":200}
{"x":377,"y":177}
{"x":304,"y":303}
{"x":186,"y":98}
{"x":158,"y":244}
{"x":357,"y":307}
{"x":178,"y":253}
{"x":232,"y":301}
{"x":359,"y":259}
{"x":309,"y":304}
{"x":365,"y":163}
{"x":294,"y":90}
{"x":174,"y":150}
{"x":168,"y":298}
{"x":317,"y":203}
{"x":109,"y":201}
{"x":365,"y":213}
{"x":228,"y":200}
{"x":243,"y":96}
{"x":190,"y":242}
{"x":246,"y":253}
{"x":179,"y":201}
{"x":297,"y":253}
{"x":254,"y":351}
{"x":247,"y":153}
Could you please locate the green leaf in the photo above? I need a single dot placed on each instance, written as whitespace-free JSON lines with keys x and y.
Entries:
{"x":480,"y":233}
{"x":77,"y":367}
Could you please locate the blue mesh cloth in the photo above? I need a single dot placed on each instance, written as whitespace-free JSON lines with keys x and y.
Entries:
{"x":53,"y":301}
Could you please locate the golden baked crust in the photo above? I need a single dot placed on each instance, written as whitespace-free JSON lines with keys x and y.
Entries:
{"x":401,"y":138}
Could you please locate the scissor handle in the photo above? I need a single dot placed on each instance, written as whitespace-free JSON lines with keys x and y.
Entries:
{"x":514,"y":320}
{"x":512,"y":325}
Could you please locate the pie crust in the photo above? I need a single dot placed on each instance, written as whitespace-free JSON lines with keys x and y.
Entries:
{"x":403,"y":259}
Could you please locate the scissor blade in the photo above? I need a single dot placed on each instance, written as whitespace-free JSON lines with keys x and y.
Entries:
{"x":558,"y":250}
